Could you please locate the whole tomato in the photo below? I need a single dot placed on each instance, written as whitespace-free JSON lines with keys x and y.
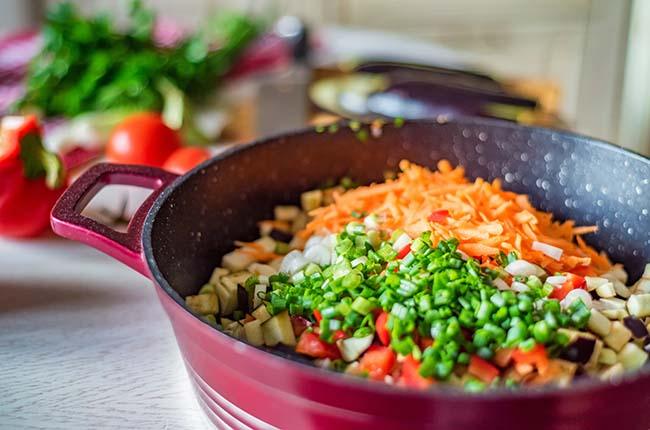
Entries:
{"x":142,"y":138}
{"x":185,"y":159}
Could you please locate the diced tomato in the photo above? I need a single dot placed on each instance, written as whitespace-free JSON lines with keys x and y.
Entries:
{"x":312,"y":345}
{"x":411,"y":374}
{"x":339,"y":334}
{"x":377,"y":361}
{"x":573,"y":282}
{"x":299,"y":325}
{"x":317,"y":315}
{"x":536,"y":357}
{"x":380,"y":327}
{"x":403,"y":252}
{"x":439,"y":216}
{"x":482,"y":369}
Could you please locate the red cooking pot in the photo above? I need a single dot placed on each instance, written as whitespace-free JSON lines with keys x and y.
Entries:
{"x":182,"y":230}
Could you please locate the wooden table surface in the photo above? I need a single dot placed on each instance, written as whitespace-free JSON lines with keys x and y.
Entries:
{"x":85,"y":344}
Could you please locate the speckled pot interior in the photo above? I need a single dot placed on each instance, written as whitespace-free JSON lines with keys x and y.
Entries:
{"x":195,"y":221}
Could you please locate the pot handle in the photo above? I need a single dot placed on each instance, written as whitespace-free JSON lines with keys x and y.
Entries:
{"x":126,"y":247}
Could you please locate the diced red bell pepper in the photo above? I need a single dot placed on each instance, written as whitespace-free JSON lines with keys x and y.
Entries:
{"x":536,"y":357}
{"x":439,"y":216}
{"x":411,"y":374}
{"x":312,"y":345}
{"x":317,"y":315}
{"x":377,"y":361}
{"x":380,"y":327}
{"x":482,"y":369}
{"x":573,"y":282}
{"x":403,"y":252}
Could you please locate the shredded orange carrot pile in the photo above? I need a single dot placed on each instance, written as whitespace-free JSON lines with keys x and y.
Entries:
{"x":485,"y":219}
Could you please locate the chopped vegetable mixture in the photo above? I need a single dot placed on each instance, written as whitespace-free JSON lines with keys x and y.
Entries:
{"x":430,"y":278}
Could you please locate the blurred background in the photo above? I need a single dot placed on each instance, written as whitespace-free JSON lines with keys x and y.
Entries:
{"x":585,"y":63}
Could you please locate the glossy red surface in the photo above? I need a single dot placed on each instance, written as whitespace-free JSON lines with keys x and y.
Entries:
{"x":242,"y":387}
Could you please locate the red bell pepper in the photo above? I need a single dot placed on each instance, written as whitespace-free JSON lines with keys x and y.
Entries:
{"x":439,"y":216}
{"x":312,"y":345}
{"x":31,"y":178}
{"x":380,"y":327}
{"x":403,"y":252}
{"x":482,"y":369}
{"x":317,"y":315}
{"x":536,"y":357}
{"x":573,"y":282}
{"x":411,"y":374}
{"x":377,"y":361}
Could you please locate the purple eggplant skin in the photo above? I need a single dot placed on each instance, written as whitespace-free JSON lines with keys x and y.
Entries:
{"x":579,"y":351}
{"x":280,"y":235}
{"x":415,"y":100}
{"x":636,"y":326}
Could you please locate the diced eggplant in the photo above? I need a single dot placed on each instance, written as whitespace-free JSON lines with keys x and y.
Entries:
{"x":203,"y":304}
{"x":276,"y":263}
{"x":599,"y":324}
{"x":300,"y":222}
{"x":227,"y":293}
{"x":595,"y":282}
{"x":621,"y":289}
{"x":646,"y":272}
{"x":236,"y":260}
{"x":579,"y":351}
{"x":297,"y":243}
{"x":618,"y":336}
{"x":243,"y":299}
{"x":612,"y":372}
{"x":258,"y":292}
{"x":615,"y":314}
{"x":642,"y":286}
{"x":254,"y":334}
{"x":261,"y":269}
{"x":235,"y":329}
{"x":613,"y":303}
{"x":632,"y":357}
{"x":217,"y":274}
{"x":286,"y":213}
{"x":646,"y":344}
{"x":210,"y":319}
{"x":311,"y":200}
{"x":281,"y":235}
{"x":617,"y":272}
{"x":573,"y":335}
{"x":639,"y":305}
{"x":225,"y":322}
{"x":278,"y":329}
{"x":267,"y":226}
{"x":592,"y":364}
{"x":607,"y":357}
{"x":636,"y":327}
{"x":266,"y":243}
{"x":208,"y":289}
{"x":261,"y":313}
{"x":352,"y":347}
{"x":606,"y":290}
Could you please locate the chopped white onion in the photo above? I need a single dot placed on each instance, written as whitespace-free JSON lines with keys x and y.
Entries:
{"x":360,"y":260}
{"x":293,"y":262}
{"x":574,"y":295}
{"x":524,"y":268}
{"x":371,"y":222}
{"x":552,"y":251}
{"x":519,"y":287}
{"x":319,"y":254}
{"x":313,"y":241}
{"x":401,"y":242}
{"x":500,"y":284}
{"x":556,"y":280}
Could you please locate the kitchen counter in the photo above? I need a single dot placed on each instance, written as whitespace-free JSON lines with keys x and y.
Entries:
{"x":84,"y":343}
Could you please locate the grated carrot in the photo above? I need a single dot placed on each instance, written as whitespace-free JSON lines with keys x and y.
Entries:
{"x":485,"y":218}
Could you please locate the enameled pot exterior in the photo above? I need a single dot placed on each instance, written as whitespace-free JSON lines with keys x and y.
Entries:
{"x":195,"y":218}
